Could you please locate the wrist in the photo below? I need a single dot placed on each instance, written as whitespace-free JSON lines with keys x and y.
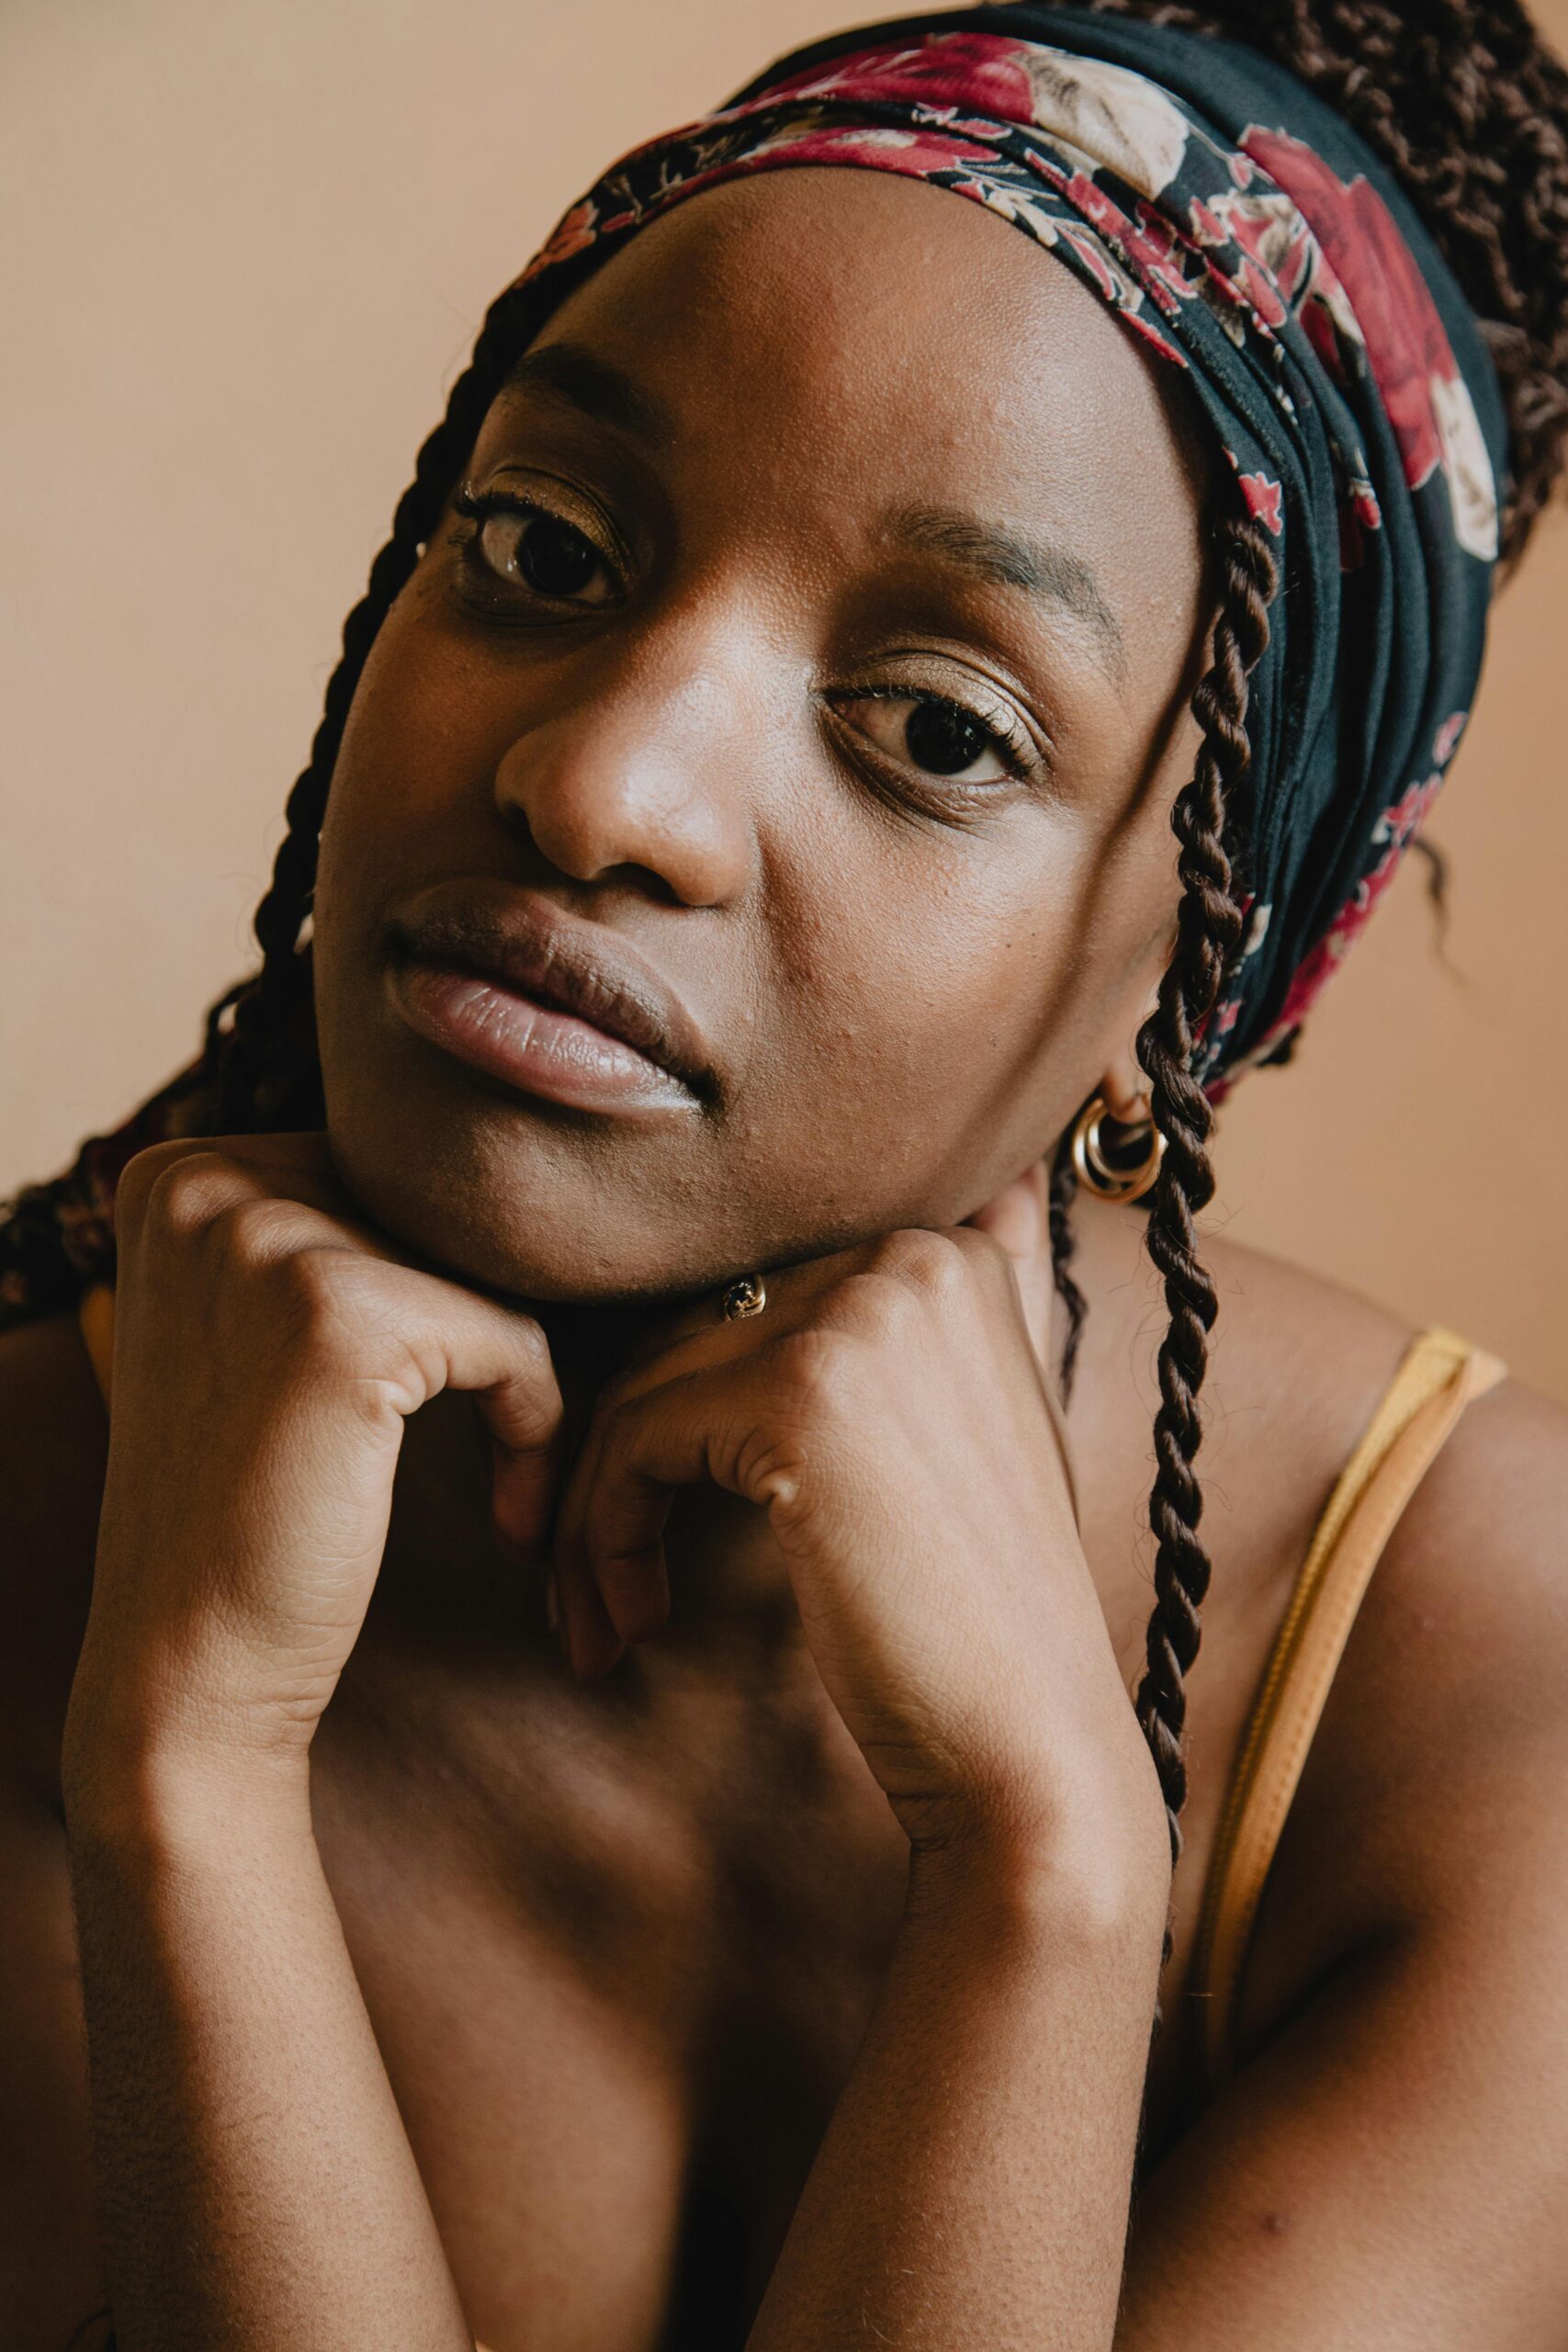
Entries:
{"x":170,"y":1776}
{"x":1098,"y":1889}
{"x":191,"y":1695}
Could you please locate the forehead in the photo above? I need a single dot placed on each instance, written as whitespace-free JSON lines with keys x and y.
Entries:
{"x":856,"y":340}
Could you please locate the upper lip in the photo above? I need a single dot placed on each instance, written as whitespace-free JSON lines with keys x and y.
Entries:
{"x":516,"y":937}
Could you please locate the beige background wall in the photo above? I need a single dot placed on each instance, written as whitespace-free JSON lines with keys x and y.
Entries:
{"x":244,"y":248}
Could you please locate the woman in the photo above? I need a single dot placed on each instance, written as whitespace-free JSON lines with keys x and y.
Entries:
{"x":668,"y":1858}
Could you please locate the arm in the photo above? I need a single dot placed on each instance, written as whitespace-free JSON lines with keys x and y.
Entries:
{"x":1390,"y":2164}
{"x":1390,"y":2168}
{"x":886,"y":1410}
{"x":972,"y":2188}
{"x":255,"y":2184}
{"x":256,"y":2187}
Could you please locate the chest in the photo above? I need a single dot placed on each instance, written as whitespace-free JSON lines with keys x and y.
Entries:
{"x":617,"y":1963}
{"x":619,"y":1958}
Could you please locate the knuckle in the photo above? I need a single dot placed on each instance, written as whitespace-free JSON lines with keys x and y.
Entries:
{"x":933,"y":1263}
{"x":981,"y":1254}
{"x":535,"y":1363}
{"x":256,"y":1232}
{"x":325,"y":1288}
{"x":345,"y":1329}
{"x":179,"y":1195}
{"x":872,"y":1306}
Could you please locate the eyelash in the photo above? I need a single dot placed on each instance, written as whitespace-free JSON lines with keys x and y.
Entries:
{"x":478,"y":507}
{"x":1011,"y":739}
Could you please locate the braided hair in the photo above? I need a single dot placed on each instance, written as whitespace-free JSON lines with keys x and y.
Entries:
{"x":265,"y":1065}
{"x":1207,"y":818}
{"x":1470,"y":111}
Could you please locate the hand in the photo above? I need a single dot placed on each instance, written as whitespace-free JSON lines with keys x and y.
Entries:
{"x":887,"y":1410}
{"x":268,"y":1349}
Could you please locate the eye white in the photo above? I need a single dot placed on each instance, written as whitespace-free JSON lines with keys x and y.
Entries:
{"x":886,"y":719}
{"x":504,"y":544}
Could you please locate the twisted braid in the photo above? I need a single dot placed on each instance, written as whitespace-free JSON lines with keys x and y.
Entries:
{"x":1063,"y":1246}
{"x":257,"y":1067}
{"x":1206,"y":816}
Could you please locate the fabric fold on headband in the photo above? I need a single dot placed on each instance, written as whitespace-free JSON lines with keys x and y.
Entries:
{"x":1235,"y":225}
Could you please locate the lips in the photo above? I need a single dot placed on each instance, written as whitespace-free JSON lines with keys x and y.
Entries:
{"x":539,"y":998}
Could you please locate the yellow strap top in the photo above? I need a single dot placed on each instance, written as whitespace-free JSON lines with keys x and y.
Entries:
{"x":1439,"y":1375}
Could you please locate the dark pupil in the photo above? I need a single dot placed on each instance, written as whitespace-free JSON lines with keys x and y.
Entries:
{"x":943,"y":739}
{"x":555,"y":559}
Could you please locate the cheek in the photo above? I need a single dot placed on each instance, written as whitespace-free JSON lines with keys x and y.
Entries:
{"x":947,"y":1002}
{"x":411,"y":793}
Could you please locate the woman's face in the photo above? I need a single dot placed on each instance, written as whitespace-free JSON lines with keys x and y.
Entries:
{"x":813,"y":713}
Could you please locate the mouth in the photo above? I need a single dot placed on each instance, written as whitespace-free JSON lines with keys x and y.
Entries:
{"x":557,"y":1008}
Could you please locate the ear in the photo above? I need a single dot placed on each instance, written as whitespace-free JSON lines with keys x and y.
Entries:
{"x":1124,"y":1082}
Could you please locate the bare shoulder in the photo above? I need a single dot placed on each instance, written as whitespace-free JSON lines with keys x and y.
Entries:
{"x":1446,"y":1731}
{"x":1437,"y":1777}
{"x":1431,"y":1811}
{"x":53,"y":1439}
{"x":1296,"y":1365}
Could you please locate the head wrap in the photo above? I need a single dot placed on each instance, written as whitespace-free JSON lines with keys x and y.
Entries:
{"x":1233,"y":222}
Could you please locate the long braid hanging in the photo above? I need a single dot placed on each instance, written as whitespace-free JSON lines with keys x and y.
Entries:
{"x":1206,"y":816}
{"x":257,"y":1068}
{"x":1063,"y":1191}
{"x":268,"y":1078}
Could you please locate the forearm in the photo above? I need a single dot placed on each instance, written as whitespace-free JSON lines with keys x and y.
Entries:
{"x":973,"y":2186}
{"x":256,"y":2186}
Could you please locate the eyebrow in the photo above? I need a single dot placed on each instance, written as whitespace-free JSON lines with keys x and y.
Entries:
{"x":993,"y":552}
{"x":1004,"y":558}
{"x":570,"y":372}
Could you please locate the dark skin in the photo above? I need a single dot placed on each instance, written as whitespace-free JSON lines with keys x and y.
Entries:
{"x":619,"y":1933}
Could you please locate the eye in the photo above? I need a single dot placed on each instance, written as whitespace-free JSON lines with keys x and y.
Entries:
{"x":937,"y":736}
{"x":523,"y":544}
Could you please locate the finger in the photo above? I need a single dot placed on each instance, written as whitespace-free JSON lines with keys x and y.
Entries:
{"x":689,"y":1430}
{"x":588,"y":1637}
{"x":591,"y":1643}
{"x":193,"y":1181}
{"x":447,"y":1337}
{"x":697,"y":1332}
{"x":1019,"y":1220}
{"x":502,"y":1359}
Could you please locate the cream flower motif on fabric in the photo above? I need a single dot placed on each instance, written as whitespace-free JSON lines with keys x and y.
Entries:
{"x":1269,"y":228}
{"x":1467,"y":468}
{"x":1013,"y":204}
{"x":791,"y":132}
{"x":1113,"y":117}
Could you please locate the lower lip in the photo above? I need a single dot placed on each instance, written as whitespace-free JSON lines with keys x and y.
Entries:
{"x":532,"y":1046}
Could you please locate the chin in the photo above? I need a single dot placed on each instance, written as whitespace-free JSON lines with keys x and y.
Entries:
{"x":517,"y":1210}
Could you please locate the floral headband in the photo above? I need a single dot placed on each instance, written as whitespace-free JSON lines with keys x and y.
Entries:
{"x":1231,"y":221}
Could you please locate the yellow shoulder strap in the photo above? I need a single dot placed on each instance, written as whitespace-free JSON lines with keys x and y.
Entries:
{"x":1439,"y":1375}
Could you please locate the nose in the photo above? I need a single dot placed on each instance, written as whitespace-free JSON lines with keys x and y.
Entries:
{"x":641,"y":771}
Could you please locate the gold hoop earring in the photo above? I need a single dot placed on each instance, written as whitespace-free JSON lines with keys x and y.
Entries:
{"x":1099,"y":1175}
